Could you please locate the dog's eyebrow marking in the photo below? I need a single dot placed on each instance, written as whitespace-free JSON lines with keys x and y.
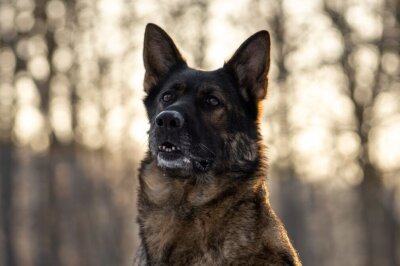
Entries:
{"x":208,"y":88}
{"x":178,"y":86}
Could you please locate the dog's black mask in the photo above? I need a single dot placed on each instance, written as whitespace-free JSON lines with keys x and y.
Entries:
{"x":203,"y":121}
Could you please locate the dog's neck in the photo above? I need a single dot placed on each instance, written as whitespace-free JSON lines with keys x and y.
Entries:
{"x":158,"y":189}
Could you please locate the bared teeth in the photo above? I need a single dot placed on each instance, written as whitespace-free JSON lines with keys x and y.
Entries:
{"x":168,"y":148}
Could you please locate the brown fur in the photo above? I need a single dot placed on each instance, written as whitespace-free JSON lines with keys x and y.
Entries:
{"x":219,"y":222}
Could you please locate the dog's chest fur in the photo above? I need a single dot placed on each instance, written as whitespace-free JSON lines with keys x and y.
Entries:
{"x":186,"y":224}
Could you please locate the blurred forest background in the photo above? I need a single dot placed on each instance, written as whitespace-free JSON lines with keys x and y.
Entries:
{"x":73,"y":128}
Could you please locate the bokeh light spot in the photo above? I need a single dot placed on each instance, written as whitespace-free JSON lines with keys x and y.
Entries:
{"x":25,"y":21}
{"x":39,"y":67}
{"x":62,"y":59}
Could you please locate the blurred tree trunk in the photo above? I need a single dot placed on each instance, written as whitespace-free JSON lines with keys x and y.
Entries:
{"x":6,"y":196}
{"x":292,"y":206}
{"x":48,"y":254}
{"x":377,"y":215}
{"x":49,"y":228}
{"x":199,"y":56}
{"x":8,"y":161}
{"x":197,"y":38}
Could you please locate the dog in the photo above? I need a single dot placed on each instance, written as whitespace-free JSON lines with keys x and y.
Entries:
{"x":202,"y":197}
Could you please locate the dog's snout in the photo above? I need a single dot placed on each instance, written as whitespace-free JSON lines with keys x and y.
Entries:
{"x":169,"y":120}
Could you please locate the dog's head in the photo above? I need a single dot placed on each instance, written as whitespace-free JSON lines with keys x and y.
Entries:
{"x":202,"y":121}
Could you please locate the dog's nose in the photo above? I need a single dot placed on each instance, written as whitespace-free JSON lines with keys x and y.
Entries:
{"x":169,"y":120}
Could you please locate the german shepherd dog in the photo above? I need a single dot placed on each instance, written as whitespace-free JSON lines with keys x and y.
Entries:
{"x":203,"y":197}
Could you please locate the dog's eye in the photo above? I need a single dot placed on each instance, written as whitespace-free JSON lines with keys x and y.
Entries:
{"x":167,"y":97}
{"x":213,"y":101}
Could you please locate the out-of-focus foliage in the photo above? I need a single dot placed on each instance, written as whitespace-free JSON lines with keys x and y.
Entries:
{"x":73,"y":129}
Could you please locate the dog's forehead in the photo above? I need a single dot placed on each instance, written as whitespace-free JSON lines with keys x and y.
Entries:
{"x":195,"y":80}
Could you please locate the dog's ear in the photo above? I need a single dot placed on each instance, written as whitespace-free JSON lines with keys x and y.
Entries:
{"x":160,"y":55}
{"x":250,"y":65}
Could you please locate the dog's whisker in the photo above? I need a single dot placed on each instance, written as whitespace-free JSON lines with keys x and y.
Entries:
{"x":208,"y":149}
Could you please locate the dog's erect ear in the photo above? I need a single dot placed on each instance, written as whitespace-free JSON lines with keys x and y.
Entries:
{"x":250,"y":65}
{"x":160,"y":55}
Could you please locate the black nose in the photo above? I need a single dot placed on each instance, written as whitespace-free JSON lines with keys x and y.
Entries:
{"x":169,"y":120}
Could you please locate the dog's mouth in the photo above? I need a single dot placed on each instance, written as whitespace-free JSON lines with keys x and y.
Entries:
{"x":172,"y":156}
{"x":168,"y":147}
